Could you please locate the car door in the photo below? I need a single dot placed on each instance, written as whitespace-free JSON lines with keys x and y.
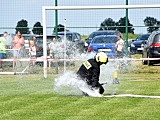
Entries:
{"x":147,"y":44}
{"x":75,"y":37}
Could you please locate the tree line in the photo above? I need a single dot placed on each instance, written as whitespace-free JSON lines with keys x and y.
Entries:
{"x":151,"y":23}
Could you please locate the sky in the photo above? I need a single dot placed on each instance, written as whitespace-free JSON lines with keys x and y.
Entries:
{"x":13,"y":11}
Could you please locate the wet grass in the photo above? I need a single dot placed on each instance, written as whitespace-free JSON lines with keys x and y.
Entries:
{"x":31,"y":97}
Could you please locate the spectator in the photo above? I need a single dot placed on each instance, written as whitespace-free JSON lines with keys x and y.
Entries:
{"x":2,"y":49}
{"x":34,"y":39}
{"x":8,"y":41}
{"x":120,"y":46}
{"x":32,"y":51}
{"x":52,"y":47}
{"x":4,"y":39}
{"x":18,"y":43}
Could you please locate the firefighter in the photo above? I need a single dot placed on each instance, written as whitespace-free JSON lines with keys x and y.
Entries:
{"x":90,"y":72}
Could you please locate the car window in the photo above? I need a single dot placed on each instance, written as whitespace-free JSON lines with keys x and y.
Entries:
{"x":96,"y":34}
{"x":28,"y":37}
{"x":39,"y":38}
{"x":78,"y":36}
{"x":142,"y":37}
{"x":49,"y":38}
{"x":39,"y":43}
{"x":74,"y":37}
{"x":105,"y":40}
{"x":103,"y":33}
{"x":157,"y":38}
{"x":69,"y":37}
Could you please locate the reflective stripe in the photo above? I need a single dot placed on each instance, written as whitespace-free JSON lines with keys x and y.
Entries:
{"x":87,"y":65}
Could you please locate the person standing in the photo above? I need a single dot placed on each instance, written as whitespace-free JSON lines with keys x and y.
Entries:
{"x":34,"y":39}
{"x":2,"y":49}
{"x":18,"y":43}
{"x":89,"y":72}
{"x":120,"y":46}
{"x":8,"y":41}
{"x":52,"y":47}
{"x":32,"y":51}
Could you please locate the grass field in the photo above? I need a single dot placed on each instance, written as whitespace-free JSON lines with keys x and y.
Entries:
{"x":31,"y":97}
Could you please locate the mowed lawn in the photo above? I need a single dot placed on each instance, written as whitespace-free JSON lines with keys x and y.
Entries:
{"x":31,"y":97}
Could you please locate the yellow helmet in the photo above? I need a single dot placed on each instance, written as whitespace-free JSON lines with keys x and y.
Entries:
{"x":101,"y":57}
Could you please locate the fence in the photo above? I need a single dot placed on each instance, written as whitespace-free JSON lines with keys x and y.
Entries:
{"x":82,"y":18}
{"x":80,"y":21}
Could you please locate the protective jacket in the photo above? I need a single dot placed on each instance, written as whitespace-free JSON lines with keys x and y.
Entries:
{"x":2,"y":45}
{"x":90,"y":71}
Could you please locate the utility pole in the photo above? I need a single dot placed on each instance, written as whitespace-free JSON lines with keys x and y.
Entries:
{"x":56,"y":18}
{"x":126,"y":30}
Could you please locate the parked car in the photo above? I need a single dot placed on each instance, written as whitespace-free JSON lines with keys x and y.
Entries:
{"x":27,"y":38}
{"x":75,"y":39}
{"x":97,"y":33}
{"x":39,"y":43}
{"x":137,"y":45}
{"x":104,"y":43}
{"x":74,"y":43}
{"x":152,"y":48}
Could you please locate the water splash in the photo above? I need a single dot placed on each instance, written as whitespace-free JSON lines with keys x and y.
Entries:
{"x":67,"y":84}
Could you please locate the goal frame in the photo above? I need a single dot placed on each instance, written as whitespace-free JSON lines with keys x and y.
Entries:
{"x":45,"y":8}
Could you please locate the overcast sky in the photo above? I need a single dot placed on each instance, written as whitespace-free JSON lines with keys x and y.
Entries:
{"x":13,"y":11}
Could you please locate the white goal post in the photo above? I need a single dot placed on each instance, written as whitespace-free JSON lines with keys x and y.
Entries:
{"x":44,"y":8}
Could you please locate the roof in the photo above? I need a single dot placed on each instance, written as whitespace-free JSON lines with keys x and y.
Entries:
{"x":105,"y":36}
{"x":67,"y":32}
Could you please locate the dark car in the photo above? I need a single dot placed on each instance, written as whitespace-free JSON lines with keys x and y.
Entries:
{"x":138,"y":44}
{"x":75,"y":39}
{"x":104,"y":43}
{"x":74,"y":43}
{"x":27,"y":38}
{"x":39,"y":43}
{"x":152,"y":48}
{"x":100,"y":32}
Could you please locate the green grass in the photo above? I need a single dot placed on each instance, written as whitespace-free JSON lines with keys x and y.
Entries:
{"x":31,"y":97}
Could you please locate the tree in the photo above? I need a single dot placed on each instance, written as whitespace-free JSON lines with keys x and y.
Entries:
{"x":108,"y":24}
{"x":22,"y":26}
{"x":37,"y":28}
{"x":60,"y":28}
{"x":122,"y":23}
{"x":152,"y":23}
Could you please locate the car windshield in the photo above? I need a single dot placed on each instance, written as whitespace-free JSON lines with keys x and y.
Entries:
{"x":157,"y":38}
{"x":142,"y":37}
{"x":105,"y":40}
{"x":102,"y":33}
{"x":49,"y":38}
{"x":68,"y":36}
{"x":28,"y":37}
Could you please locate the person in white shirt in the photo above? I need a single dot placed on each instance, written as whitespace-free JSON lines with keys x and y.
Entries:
{"x":52,"y":47}
{"x":120,"y":46}
{"x":32,"y":51}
